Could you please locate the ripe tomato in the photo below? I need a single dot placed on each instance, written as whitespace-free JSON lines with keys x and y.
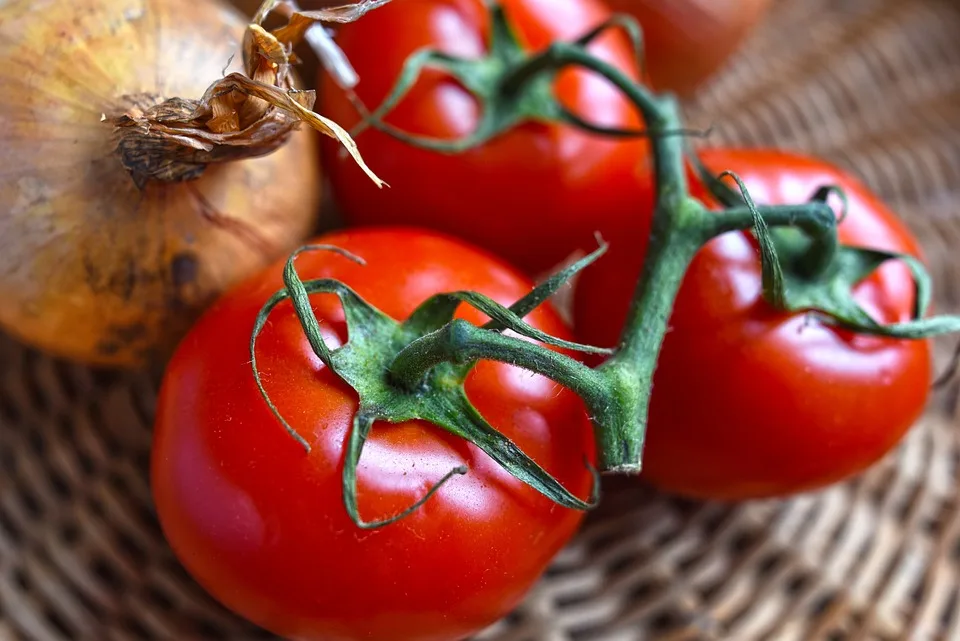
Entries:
{"x":750,"y":402}
{"x":532,"y":194}
{"x":687,"y":41}
{"x":261,"y":524}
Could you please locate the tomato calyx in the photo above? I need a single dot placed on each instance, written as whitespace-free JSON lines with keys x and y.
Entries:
{"x":511,"y":85}
{"x":397,"y":378}
{"x":808,"y":270}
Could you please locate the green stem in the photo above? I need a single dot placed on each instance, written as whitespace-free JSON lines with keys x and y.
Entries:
{"x":461,"y":343}
{"x":660,"y":114}
{"x":675,"y":239}
{"x":617,"y":393}
{"x":677,"y":234}
{"x":816,"y":219}
{"x":611,"y":397}
{"x":679,"y":228}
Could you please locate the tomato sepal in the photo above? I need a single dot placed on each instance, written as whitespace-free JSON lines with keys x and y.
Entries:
{"x":439,"y":310}
{"x":417,"y":370}
{"x":830,"y":296}
{"x":804,"y":268}
{"x":511,"y":86}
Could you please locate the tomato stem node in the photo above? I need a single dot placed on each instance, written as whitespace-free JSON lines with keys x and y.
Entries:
{"x":417,"y":369}
{"x":511,"y":85}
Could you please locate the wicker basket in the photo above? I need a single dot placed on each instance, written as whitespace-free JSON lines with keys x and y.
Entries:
{"x":873,"y":85}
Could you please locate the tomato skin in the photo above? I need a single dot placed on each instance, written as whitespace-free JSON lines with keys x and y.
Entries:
{"x":686,"y":42}
{"x":261,"y":524}
{"x":749,"y":402}
{"x":532,"y":194}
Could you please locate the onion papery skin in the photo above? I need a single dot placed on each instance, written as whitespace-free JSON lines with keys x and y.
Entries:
{"x":91,"y":267}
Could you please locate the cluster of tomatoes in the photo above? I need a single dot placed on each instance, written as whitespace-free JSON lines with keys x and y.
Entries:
{"x":748,"y":401}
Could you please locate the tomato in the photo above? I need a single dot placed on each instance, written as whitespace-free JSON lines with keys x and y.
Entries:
{"x":750,"y":402}
{"x":261,"y":524}
{"x":532,"y":194}
{"x":688,"y":41}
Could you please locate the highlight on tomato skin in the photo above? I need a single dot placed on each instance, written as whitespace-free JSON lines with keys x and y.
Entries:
{"x":261,"y":524}
{"x":751,"y":403}
{"x":532,"y":195}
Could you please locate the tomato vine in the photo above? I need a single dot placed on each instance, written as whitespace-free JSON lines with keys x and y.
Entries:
{"x":420,"y":365}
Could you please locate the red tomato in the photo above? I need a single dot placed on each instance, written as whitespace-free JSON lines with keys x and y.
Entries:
{"x":687,"y":41}
{"x":750,"y":402}
{"x":531,"y":195}
{"x":261,"y":524}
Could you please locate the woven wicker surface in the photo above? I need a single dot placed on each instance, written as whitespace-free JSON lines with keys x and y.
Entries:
{"x":873,"y":85}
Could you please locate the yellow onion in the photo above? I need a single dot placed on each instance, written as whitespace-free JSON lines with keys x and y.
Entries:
{"x":124,"y":211}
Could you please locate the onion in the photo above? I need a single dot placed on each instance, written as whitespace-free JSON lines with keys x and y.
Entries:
{"x":147,"y":162}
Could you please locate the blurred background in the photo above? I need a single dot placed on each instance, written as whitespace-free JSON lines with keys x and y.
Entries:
{"x":871,"y":85}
